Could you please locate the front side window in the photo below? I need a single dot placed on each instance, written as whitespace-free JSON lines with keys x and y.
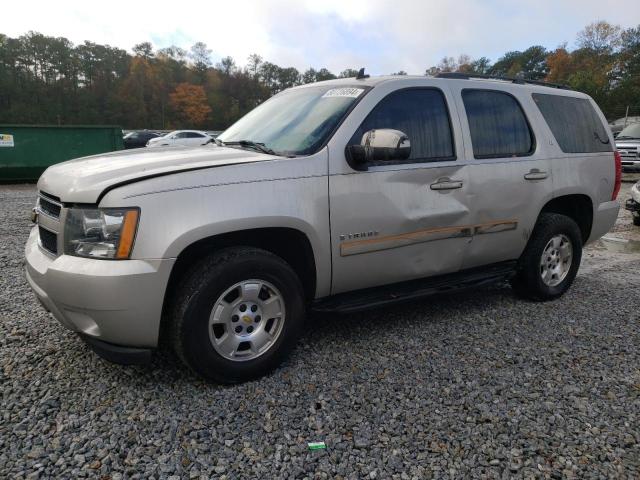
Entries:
{"x":497,"y":124}
{"x":420,"y":113}
{"x":297,"y":121}
{"x":574,"y":123}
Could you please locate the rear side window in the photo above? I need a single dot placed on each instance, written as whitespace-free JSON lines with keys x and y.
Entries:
{"x":497,"y":124}
{"x":574,"y":123}
{"x":422,"y":114}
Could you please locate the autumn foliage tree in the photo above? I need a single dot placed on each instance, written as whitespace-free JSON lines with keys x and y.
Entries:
{"x":140,"y":92}
{"x":189,"y":103}
{"x":605,"y":64}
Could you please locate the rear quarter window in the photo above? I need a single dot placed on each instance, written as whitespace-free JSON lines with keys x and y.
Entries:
{"x":574,"y":123}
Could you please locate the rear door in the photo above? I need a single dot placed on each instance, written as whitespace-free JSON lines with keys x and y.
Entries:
{"x":399,"y":220}
{"x":509,"y":170}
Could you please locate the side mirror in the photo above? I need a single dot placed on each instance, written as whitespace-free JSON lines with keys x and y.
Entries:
{"x":380,"y":145}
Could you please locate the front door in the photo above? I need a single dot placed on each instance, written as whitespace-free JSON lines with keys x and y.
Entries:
{"x":401,"y":219}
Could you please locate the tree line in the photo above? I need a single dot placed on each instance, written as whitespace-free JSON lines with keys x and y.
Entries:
{"x":605,"y":64}
{"x":49,"y":80}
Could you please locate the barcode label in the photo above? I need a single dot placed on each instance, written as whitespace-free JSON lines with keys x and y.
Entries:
{"x":343,"y":92}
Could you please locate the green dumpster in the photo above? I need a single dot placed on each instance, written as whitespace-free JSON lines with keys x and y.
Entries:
{"x":27,"y":150}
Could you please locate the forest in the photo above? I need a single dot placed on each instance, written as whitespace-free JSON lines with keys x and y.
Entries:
{"x":49,"y":80}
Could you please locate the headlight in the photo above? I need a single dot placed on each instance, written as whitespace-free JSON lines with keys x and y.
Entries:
{"x":100,"y":232}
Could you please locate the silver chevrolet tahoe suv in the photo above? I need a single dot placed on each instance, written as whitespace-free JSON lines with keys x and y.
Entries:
{"x":335,"y":196}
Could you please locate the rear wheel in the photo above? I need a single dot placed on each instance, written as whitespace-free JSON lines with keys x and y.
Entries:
{"x":237,"y":315}
{"x":551,"y":259}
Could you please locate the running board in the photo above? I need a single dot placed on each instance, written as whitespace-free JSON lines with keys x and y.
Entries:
{"x":406,"y":291}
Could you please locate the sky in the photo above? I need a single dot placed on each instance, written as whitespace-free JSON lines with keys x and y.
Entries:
{"x":384,"y":36}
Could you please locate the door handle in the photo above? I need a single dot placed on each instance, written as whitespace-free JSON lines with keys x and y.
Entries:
{"x":535,"y":174}
{"x":446,"y":184}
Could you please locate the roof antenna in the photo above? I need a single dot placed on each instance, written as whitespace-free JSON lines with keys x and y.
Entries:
{"x":361,"y":75}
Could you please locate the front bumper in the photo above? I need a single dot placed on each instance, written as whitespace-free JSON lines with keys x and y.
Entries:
{"x":629,"y":165}
{"x":114,"y":301}
{"x":118,"y":353}
{"x":632,"y":206}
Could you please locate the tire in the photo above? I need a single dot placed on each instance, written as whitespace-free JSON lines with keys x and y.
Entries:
{"x":636,"y":220}
{"x":528,"y":281}
{"x":210,"y":349}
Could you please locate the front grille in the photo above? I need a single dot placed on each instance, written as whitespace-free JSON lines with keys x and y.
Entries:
{"x":49,"y":196}
{"x":629,"y":152}
{"x":49,"y":208}
{"x":49,"y":205}
{"x":48,"y":240}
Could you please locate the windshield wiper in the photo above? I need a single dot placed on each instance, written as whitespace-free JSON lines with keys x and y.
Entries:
{"x":261,"y":147}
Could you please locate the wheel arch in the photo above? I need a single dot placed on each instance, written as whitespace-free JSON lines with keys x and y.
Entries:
{"x":290,"y":244}
{"x":578,"y":207}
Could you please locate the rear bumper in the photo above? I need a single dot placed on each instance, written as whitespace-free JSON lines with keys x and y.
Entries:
{"x":604,"y":219}
{"x":114,"y":301}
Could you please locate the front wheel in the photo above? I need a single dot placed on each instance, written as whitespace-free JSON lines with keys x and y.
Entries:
{"x":237,"y":315}
{"x":551,"y":259}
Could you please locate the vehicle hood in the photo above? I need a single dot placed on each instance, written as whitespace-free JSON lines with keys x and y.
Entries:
{"x":84,"y":180}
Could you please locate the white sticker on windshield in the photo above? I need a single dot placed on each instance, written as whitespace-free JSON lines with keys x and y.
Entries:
{"x":343,"y":92}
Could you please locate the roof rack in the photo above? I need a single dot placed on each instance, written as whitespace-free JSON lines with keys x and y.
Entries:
{"x":519,"y":81}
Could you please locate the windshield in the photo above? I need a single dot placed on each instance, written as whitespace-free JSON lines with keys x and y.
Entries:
{"x":630,"y":131}
{"x":297,"y":121}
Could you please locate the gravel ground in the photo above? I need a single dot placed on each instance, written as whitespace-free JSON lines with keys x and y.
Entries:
{"x":477,"y":385}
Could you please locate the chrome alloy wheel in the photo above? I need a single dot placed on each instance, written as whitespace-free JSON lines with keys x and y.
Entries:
{"x":555,"y":262}
{"x":246,"y":320}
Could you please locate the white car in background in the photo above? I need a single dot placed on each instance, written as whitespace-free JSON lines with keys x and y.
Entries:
{"x":633,"y":204}
{"x":183,"y":138}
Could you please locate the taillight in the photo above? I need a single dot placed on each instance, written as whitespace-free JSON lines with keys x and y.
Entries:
{"x":618,"y":181}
